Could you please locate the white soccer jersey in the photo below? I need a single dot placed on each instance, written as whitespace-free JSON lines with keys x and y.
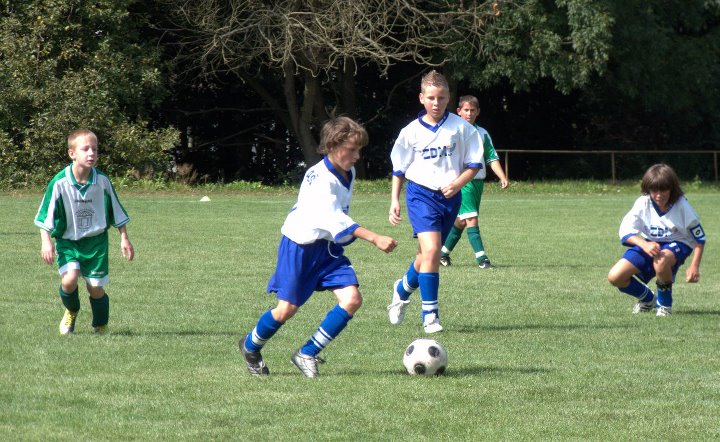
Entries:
{"x":433,"y":156}
{"x":74,"y":211}
{"x":680,"y":223}
{"x":321,"y":210}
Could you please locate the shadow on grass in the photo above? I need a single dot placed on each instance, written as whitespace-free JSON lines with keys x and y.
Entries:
{"x":131,"y":333}
{"x":470,"y":329}
{"x":699,"y":312}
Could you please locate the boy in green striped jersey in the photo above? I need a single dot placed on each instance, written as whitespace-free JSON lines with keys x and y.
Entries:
{"x":79,"y":206}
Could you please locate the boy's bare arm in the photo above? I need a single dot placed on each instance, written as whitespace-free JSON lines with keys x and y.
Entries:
{"x":649,"y":247}
{"x":692,"y":274}
{"x":382,"y":242}
{"x":47,"y":248}
{"x":126,"y":246}
{"x":497,"y":168}
{"x":394,"y":215}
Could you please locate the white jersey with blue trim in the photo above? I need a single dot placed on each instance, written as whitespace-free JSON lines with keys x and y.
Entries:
{"x":321,"y":210}
{"x":680,"y":223}
{"x":433,"y":156}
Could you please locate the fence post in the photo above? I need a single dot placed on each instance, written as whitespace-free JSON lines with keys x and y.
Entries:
{"x":612,"y":165}
{"x":715,"y":160}
{"x":507,"y":166}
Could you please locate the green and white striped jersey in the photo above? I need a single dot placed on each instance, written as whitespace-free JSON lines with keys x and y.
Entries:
{"x":74,"y":211}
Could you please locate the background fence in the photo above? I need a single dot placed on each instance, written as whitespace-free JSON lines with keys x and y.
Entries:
{"x":613,"y":164}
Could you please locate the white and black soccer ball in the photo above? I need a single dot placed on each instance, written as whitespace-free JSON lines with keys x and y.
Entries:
{"x":425,"y":357}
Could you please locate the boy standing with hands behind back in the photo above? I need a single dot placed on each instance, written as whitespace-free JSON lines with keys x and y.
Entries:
{"x":438,"y":153}
{"x":78,"y":208}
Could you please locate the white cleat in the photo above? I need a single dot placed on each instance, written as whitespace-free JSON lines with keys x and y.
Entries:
{"x":664,"y":311}
{"x":432,"y":323}
{"x":397,"y":307}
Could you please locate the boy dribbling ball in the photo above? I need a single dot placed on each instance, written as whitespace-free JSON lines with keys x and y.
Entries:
{"x":311,"y":256}
{"x":661,"y":230}
{"x":79,"y":206}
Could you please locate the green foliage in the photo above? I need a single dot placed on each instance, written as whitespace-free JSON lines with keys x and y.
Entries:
{"x":567,"y":41}
{"x":66,"y":64}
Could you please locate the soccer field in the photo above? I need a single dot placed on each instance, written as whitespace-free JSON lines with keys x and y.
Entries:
{"x":541,"y":347}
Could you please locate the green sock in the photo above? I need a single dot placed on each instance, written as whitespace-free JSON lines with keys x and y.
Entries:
{"x":451,"y":241}
{"x":100,"y":310}
{"x":476,"y":244}
{"x":71,"y":300}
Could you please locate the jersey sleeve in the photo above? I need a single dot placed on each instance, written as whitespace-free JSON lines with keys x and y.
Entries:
{"x":51,"y":213}
{"x":401,"y":155}
{"x":633,"y":222}
{"x":692,"y":224}
{"x":116,"y":214}
{"x":473,"y":148}
{"x":489,"y":149}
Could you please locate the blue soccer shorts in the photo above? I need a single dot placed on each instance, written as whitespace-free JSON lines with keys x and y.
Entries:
{"x":304,"y":268}
{"x":429,"y":210}
{"x":644,"y":262}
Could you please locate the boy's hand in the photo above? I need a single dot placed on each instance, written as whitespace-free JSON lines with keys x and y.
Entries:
{"x":504,"y":183}
{"x":450,"y":190}
{"x":127,"y":249}
{"x":651,"y":248}
{"x":394,"y":215}
{"x":385,"y":243}
{"x":47,"y":252}
{"x":692,"y":274}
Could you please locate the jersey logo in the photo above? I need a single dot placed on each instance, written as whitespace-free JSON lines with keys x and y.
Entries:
{"x":434,"y":152}
{"x":84,"y":219}
{"x":660,"y":232}
{"x":310,"y":177}
{"x":698,"y":232}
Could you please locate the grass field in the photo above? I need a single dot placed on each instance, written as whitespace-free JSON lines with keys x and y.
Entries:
{"x":541,"y":347}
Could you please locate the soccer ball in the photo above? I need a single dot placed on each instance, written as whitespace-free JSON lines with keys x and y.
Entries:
{"x":425,"y":357}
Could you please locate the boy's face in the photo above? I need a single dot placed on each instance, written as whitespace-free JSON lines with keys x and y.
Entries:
{"x":85,"y":151}
{"x":346,"y":155}
{"x":468,"y":112}
{"x":435,"y":100}
{"x":660,"y":197}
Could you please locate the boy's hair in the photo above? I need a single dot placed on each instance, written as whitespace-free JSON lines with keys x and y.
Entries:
{"x":338,"y":130}
{"x":662,"y":177}
{"x":79,"y":133}
{"x":469,"y":99}
{"x":433,"y":78}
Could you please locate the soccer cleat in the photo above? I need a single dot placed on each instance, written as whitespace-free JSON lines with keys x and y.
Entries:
{"x":254,"y":361}
{"x":307,"y":364}
{"x":445,"y":261}
{"x":664,"y":311}
{"x":101,"y":330}
{"x":642,"y":307}
{"x":67,"y":325}
{"x":486,"y":264}
{"x":431,"y":323}
{"x":397,"y":307}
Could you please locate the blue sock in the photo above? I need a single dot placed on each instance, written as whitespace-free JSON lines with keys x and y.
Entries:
{"x":638,"y":290}
{"x":429,"y":285}
{"x":664,"y":294}
{"x":409,"y":283}
{"x":266,"y":327}
{"x":334,"y":322}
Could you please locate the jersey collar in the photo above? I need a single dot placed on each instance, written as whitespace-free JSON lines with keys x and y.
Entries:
{"x":660,"y":212}
{"x":82,"y":188}
{"x":429,"y":126}
{"x":337,"y":174}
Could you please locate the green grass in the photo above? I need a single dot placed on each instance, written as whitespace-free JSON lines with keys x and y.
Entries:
{"x":542,"y":347}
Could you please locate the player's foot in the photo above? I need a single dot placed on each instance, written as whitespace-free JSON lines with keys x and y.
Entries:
{"x":67,"y":325}
{"x":254,"y":361}
{"x":642,"y":307}
{"x":397,"y":307}
{"x":664,"y":311}
{"x":445,"y":260}
{"x":307,"y":364}
{"x":101,"y":330}
{"x":431,"y":323}
{"x":486,"y":264}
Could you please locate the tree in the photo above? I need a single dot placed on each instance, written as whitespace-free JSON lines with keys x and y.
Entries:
{"x":66,"y":64}
{"x":314,"y":49}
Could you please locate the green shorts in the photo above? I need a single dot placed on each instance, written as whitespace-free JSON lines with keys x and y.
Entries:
{"x":89,"y":255}
{"x":471,"y":196}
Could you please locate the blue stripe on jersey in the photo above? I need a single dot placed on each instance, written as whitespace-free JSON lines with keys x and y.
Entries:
{"x":429,"y":126}
{"x":337,"y":174}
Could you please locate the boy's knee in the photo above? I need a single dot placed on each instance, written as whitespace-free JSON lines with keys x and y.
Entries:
{"x":616,"y":280}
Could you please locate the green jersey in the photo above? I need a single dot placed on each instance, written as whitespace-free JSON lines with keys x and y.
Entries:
{"x":70,"y":210}
{"x":489,"y":152}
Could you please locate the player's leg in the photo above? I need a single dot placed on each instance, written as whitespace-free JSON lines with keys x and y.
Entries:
{"x":473,"y":228}
{"x":68,"y":292}
{"x":469,"y":203}
{"x":95,"y":270}
{"x":429,"y":279}
{"x":451,"y":242}
{"x":402,"y":289}
{"x":627,"y":275}
{"x":267,"y":325}
{"x":335,"y":321}
{"x":100,"y":306}
{"x":665,"y":267}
